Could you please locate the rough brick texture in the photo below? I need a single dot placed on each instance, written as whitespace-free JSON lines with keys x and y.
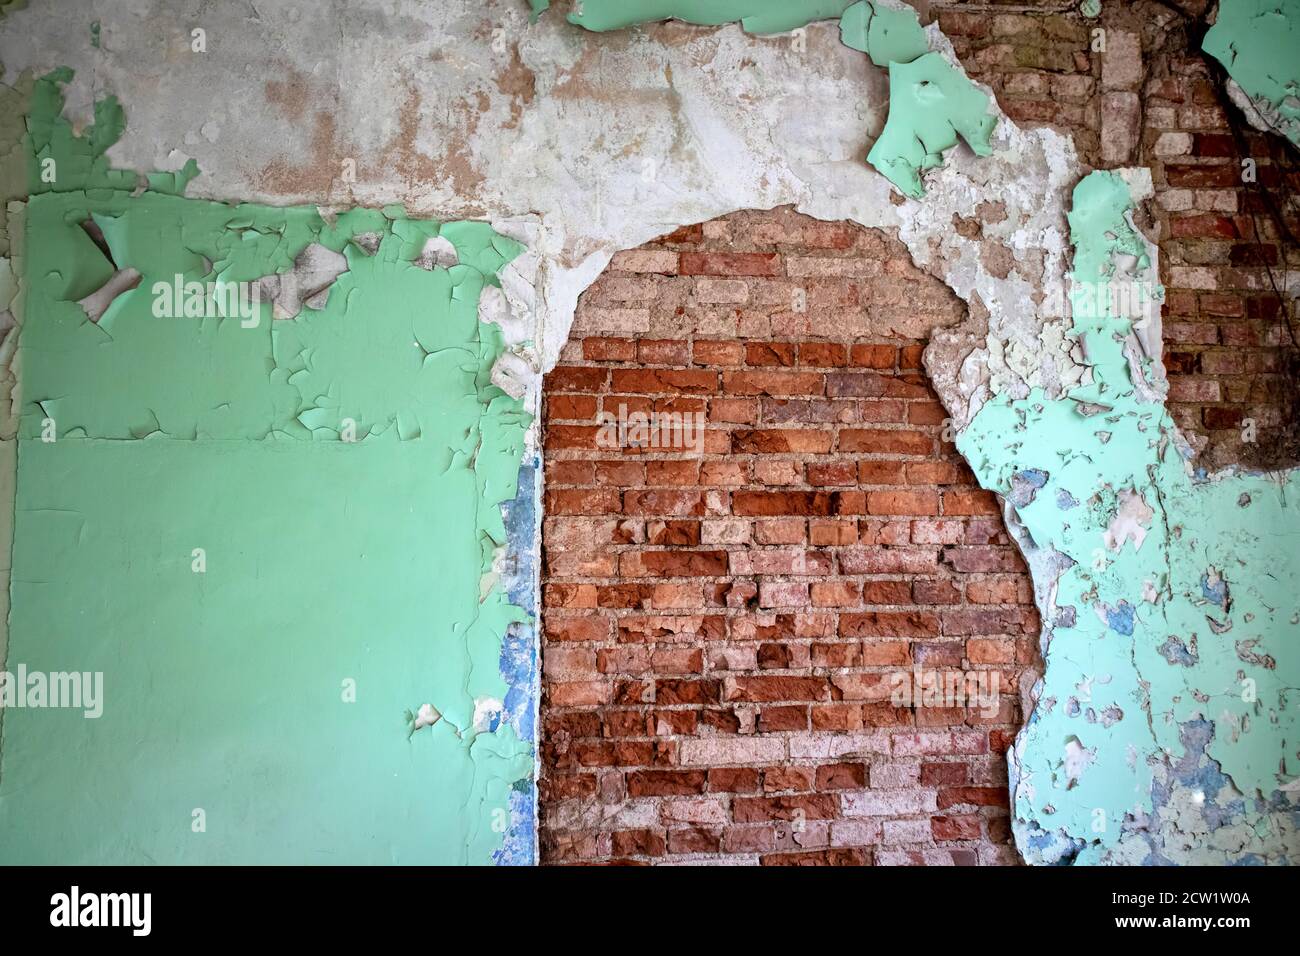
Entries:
{"x":1150,"y":99}
{"x":721,"y":628}
{"x":716,"y":626}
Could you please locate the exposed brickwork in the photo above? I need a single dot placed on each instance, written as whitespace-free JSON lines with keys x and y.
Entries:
{"x":720,"y":629}
{"x":1229,"y":349}
{"x":717,"y":627}
{"x":1149,"y":99}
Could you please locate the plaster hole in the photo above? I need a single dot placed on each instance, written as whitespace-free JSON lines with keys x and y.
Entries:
{"x":307,"y":284}
{"x":99,"y":301}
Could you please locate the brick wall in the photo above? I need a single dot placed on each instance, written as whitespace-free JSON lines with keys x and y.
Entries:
{"x":677,"y":618}
{"x":1151,"y":99}
{"x":721,"y":628}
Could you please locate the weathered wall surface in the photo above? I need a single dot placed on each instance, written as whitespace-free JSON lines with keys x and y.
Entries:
{"x":1230,"y":355}
{"x":726,"y":619}
{"x":259,"y":535}
{"x":1151,"y":99}
{"x":580,"y":145}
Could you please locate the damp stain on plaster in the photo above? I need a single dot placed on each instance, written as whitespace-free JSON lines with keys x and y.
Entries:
{"x":1145,"y":691}
{"x":932,"y":103}
{"x":279,"y":527}
{"x":754,"y":16}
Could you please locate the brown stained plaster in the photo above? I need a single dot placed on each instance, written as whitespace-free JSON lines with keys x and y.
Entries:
{"x":519,"y":83}
{"x":967,"y":227}
{"x":482,"y":31}
{"x":1031,"y":263}
{"x":318,"y":174}
{"x":457,"y":163}
{"x":408,"y":160}
{"x":675,"y":33}
{"x":301,"y":102}
{"x":291,"y":95}
{"x":997,"y":258}
{"x":585,"y":83}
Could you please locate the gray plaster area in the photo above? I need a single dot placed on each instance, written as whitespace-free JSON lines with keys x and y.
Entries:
{"x":580,"y":144}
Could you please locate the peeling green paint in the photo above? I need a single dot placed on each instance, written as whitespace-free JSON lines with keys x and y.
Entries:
{"x":930,"y":104}
{"x":1257,"y":43}
{"x":15,"y":102}
{"x":885,"y":34}
{"x":58,"y":160}
{"x":283,"y":379}
{"x":1256,"y":40}
{"x":261,"y":679}
{"x":1170,"y":599}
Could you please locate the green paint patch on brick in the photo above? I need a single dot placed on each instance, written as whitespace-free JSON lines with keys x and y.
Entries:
{"x":931,"y":104}
{"x":1172,"y":598}
{"x":1256,"y":41}
{"x":885,"y":34}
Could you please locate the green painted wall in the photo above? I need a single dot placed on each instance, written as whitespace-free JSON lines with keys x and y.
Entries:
{"x":271,"y":680}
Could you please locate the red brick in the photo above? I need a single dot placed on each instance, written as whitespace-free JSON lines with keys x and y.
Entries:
{"x":1203,"y":227}
{"x":658,"y":381}
{"x":765,"y":689}
{"x":874,"y":356}
{"x":845,"y":856}
{"x":842,"y":776}
{"x":770,"y":353}
{"x":608,"y":350}
{"x":810,"y":806}
{"x":572,"y":378}
{"x":1182,"y":176}
{"x":808,"y":441}
{"x":823,"y":354}
{"x":973,"y":796}
{"x":708,"y":352}
{"x":663,"y":783}
{"x":885,"y":441}
{"x":773,"y":383}
{"x":821,"y":573}
{"x":729,"y":263}
{"x":903,"y":502}
{"x":962,"y":827}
